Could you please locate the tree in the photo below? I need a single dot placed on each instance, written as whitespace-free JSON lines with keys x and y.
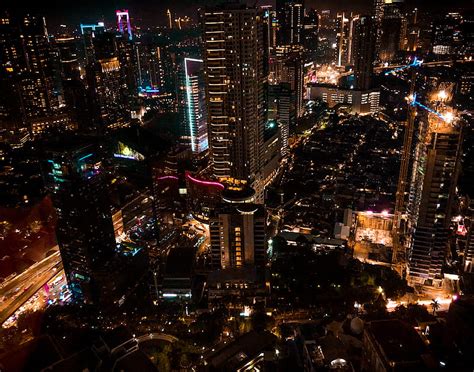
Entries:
{"x":434,"y":306}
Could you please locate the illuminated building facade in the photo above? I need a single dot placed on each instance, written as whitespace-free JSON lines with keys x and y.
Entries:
{"x":203,"y":196}
{"x":89,"y":33}
{"x":74,"y":176}
{"x":235,"y":83}
{"x":30,"y":90}
{"x":107,"y":85}
{"x":359,"y":101}
{"x":193,"y":105}
{"x":238,"y":236}
{"x":290,"y":17}
{"x":271,"y":27}
{"x":447,"y":34}
{"x":344,"y":36}
{"x":438,"y":165}
{"x":123,"y":23}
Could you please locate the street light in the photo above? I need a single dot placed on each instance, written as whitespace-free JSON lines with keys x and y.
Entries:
{"x":442,"y":95}
{"x":448,"y":117}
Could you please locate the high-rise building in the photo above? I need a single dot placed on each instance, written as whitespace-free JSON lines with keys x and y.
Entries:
{"x":107,"y":85}
{"x":392,"y":32}
{"x":238,"y":236}
{"x":193,"y":105}
{"x":123,"y":23}
{"x":270,"y":27}
{"x":235,"y":75}
{"x":447,"y":34}
{"x":290,"y":15}
{"x":344,"y":35}
{"x":74,"y":175}
{"x":287,"y":67}
{"x":310,"y":34}
{"x":282,"y":105}
{"x":363,"y":50}
{"x":11,"y":65}
{"x":73,"y":86}
{"x":32,"y":68}
{"x":89,"y":33}
{"x":378,"y":10}
{"x":438,"y":165}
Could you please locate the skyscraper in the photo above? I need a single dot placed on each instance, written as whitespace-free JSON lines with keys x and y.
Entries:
{"x":123,"y":23}
{"x":438,"y":165}
{"x":235,"y":83}
{"x":73,"y":174}
{"x":290,"y":15}
{"x":392,"y":32}
{"x":193,"y":105}
{"x":31,"y":64}
{"x":238,"y":236}
{"x":107,"y":85}
{"x":89,"y":33}
{"x":363,"y":50}
{"x":344,"y":35}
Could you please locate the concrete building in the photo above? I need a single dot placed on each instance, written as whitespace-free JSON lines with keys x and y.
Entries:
{"x":235,"y":76}
{"x":359,"y":101}
{"x":433,"y":203}
{"x":392,"y":345}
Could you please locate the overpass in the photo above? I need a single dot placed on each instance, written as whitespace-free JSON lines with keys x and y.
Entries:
{"x":16,"y":292}
{"x":156,"y":336}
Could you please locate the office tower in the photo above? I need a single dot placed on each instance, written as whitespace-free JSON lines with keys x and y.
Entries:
{"x":438,"y":165}
{"x":127,"y":56}
{"x":378,"y":10}
{"x":344,"y":37}
{"x":33,"y":68}
{"x":89,"y":33}
{"x":392,"y":32}
{"x":270,"y":22}
{"x":74,"y":175}
{"x":413,"y":31}
{"x":73,"y":87}
{"x":282,"y":108}
{"x":287,"y":67}
{"x":447,"y":34}
{"x":11,"y":65}
{"x":68,"y":56}
{"x":237,"y":236}
{"x":290,"y":15}
{"x":192,"y":99}
{"x":123,"y":23}
{"x":363,"y":50}
{"x":107,"y":85}
{"x":235,"y":83}
{"x":310,"y":34}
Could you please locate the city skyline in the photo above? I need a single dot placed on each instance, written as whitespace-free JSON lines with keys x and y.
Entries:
{"x":228,"y":185}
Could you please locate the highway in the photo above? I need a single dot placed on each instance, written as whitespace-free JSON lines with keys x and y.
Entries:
{"x":20,"y":289}
{"x":156,"y":336}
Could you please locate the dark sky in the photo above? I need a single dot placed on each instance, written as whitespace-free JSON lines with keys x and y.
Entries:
{"x":153,"y":11}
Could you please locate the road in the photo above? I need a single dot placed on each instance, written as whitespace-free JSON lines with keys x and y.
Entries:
{"x":46,"y":264}
{"x":29,"y":282}
{"x":156,"y":336}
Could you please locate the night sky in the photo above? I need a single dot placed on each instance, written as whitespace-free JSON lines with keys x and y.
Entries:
{"x":153,"y":11}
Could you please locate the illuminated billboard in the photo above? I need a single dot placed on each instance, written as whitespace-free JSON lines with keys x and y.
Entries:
{"x":126,"y":152}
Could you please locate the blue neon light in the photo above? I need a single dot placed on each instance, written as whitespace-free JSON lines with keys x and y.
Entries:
{"x":414,"y":102}
{"x":415,"y":63}
{"x":85,"y":157}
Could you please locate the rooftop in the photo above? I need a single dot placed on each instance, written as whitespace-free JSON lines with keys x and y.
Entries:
{"x":398,"y":342}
